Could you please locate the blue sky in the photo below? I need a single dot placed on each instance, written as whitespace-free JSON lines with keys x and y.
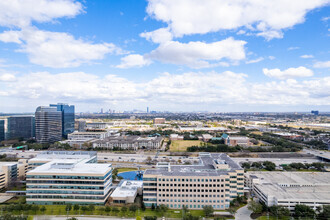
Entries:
{"x":184,"y":55}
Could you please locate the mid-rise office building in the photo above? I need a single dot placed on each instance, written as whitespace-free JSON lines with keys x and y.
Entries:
{"x":48,"y":122}
{"x":290,"y":188}
{"x":69,"y":181}
{"x":67,"y":117}
{"x":20,"y":126}
{"x":8,"y":174}
{"x":48,"y":156}
{"x":215,"y":181}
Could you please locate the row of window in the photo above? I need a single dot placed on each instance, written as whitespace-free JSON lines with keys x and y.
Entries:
{"x":192,"y":190}
{"x":190,"y":201}
{"x":190,"y":195}
{"x":64,"y":192}
{"x":63,"y":187}
{"x":193,"y":180}
{"x":193,"y":185}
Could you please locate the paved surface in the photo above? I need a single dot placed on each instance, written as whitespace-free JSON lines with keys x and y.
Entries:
{"x":243,"y":213}
{"x":5,"y":198}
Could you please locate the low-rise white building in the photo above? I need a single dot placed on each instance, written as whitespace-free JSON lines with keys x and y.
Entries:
{"x":126,"y":191}
{"x":290,"y":188}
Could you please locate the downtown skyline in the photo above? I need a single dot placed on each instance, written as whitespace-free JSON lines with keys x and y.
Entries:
{"x":170,"y":56}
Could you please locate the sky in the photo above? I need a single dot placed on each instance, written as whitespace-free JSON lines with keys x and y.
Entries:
{"x":182,"y":55}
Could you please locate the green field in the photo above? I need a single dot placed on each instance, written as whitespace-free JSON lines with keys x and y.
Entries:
{"x":120,"y":170}
{"x":60,"y":210}
{"x":181,"y":146}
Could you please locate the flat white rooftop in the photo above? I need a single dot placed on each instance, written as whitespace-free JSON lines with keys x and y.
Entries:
{"x":71,"y":167}
{"x":127,"y":188}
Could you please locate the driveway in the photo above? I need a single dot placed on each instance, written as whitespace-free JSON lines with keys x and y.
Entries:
{"x":243,"y":213}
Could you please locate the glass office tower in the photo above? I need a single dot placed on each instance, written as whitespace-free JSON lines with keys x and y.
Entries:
{"x":67,"y":117}
{"x":20,"y":127}
{"x":2,"y":130}
{"x":48,"y":123}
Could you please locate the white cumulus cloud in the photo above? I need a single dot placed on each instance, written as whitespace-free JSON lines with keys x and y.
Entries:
{"x":20,"y":13}
{"x":198,"y":54}
{"x":266,"y":18}
{"x":288,"y":73}
{"x":56,"y":49}
{"x":133,"y":60}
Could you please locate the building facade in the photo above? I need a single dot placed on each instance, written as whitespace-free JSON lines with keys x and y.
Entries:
{"x":2,"y":130}
{"x":68,"y":117}
{"x":20,"y":127}
{"x":290,"y":188}
{"x":69,"y":181}
{"x":48,"y":123}
{"x":8,"y":174}
{"x":215,"y":181}
{"x":129,"y":142}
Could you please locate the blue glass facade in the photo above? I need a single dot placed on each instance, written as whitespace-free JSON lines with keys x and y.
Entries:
{"x":67,"y":117}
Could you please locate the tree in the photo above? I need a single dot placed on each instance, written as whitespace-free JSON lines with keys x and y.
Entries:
{"x":149,"y":160}
{"x":303,"y":211}
{"x":115,"y":210}
{"x":190,"y":217}
{"x":153,"y":207}
{"x":143,"y":206}
{"x":68,"y":207}
{"x":270,"y":166}
{"x":255,"y":207}
{"x":91,"y":208}
{"x":43,"y":209}
{"x":83,"y":208}
{"x":325,"y":214}
{"x":246,"y":165}
{"x":76,"y":207}
{"x":133,"y":208}
{"x":138,"y":218}
{"x":35,"y":208}
{"x":208,"y":210}
{"x":107,"y":209}
{"x":124,"y":209}
{"x":279,"y":211}
{"x":150,"y":217}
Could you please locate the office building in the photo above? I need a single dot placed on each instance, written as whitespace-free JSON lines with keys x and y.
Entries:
{"x":129,"y":142}
{"x":48,"y":156}
{"x":67,"y":117}
{"x":159,"y":120}
{"x":126,"y":191}
{"x":2,"y":130}
{"x":20,"y":126}
{"x":8,"y":174}
{"x":290,"y":188}
{"x":215,"y":181}
{"x":48,"y":123}
{"x":315,"y":112}
{"x":69,"y":181}
{"x":80,"y":126}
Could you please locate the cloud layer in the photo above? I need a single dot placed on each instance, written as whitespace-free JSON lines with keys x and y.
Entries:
{"x":180,"y":89}
{"x":266,"y":18}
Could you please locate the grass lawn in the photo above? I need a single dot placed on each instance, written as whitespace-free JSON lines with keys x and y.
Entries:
{"x":181,"y":145}
{"x":120,"y":170}
{"x":272,"y":218}
{"x":60,"y":210}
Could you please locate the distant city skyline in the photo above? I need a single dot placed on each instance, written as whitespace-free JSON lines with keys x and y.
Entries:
{"x":271,"y":56}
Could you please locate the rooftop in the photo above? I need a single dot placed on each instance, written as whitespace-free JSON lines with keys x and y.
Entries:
{"x":51,"y":155}
{"x":71,"y":167}
{"x":127,"y":188}
{"x":205,"y":167}
{"x":294,"y":185}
